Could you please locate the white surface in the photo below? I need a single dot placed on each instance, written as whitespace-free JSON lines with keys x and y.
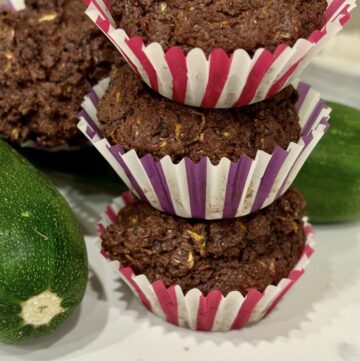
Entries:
{"x":318,"y":320}
{"x":336,"y":71}
{"x":342,"y":55}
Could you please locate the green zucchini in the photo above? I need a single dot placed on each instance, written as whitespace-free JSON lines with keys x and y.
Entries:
{"x":43,"y":259}
{"x":330,"y":179}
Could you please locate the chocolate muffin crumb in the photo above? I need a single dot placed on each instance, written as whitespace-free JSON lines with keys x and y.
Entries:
{"x":136,"y":117}
{"x":227,"y":24}
{"x":51,"y":55}
{"x":250,"y":252}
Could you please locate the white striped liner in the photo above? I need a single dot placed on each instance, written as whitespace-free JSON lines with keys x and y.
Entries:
{"x":213,"y":312}
{"x":202,"y":190}
{"x":221,"y":80}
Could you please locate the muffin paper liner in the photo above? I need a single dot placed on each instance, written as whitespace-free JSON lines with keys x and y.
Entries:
{"x":213,"y":312}
{"x":203,"y":190}
{"x":17,"y":5}
{"x":13,"y":5}
{"x":219,"y":81}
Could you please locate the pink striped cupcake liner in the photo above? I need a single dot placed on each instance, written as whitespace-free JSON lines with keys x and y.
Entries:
{"x":203,"y":190}
{"x":193,"y":310}
{"x":221,"y":80}
{"x":17,"y":5}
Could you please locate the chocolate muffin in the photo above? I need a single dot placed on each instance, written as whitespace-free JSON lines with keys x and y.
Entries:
{"x":209,"y":24}
{"x":136,"y":117}
{"x":51,"y":55}
{"x":227,"y":255}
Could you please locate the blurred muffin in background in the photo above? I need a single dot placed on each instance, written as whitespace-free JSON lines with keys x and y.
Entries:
{"x":51,"y":55}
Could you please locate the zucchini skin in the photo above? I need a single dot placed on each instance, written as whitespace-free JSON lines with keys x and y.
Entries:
{"x":330,"y":179}
{"x":41,"y":247}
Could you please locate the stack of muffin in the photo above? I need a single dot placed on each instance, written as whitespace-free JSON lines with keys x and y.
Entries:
{"x":213,"y":238}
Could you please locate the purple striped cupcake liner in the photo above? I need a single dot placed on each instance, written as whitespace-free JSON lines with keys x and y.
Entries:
{"x":203,"y":190}
{"x":213,"y":312}
{"x":219,"y":80}
{"x":17,"y":5}
{"x":12,"y":5}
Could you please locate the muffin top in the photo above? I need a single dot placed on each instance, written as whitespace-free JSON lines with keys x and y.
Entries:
{"x":50,"y":56}
{"x":227,"y":24}
{"x":136,"y":117}
{"x":227,"y":255}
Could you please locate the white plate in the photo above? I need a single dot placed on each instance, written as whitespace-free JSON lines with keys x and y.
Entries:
{"x":318,"y":320}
